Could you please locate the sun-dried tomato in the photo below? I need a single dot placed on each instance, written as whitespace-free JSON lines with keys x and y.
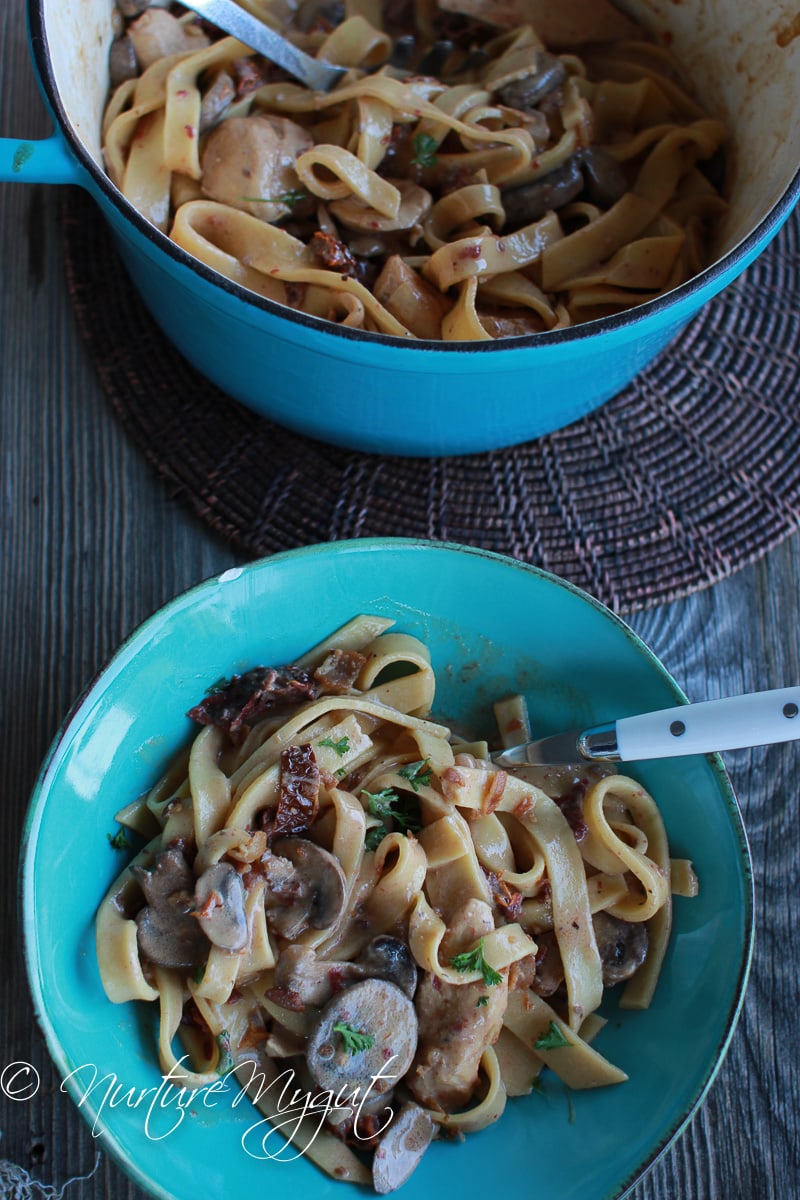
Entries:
{"x":247,"y":697}
{"x":298,"y":799}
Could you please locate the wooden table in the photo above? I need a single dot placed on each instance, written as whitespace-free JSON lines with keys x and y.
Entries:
{"x":92,"y":544}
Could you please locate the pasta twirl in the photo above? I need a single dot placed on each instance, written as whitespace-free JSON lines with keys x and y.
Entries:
{"x":463,"y":181}
{"x":339,"y":890}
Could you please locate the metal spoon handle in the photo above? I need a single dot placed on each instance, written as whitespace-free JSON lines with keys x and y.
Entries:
{"x":228,"y":16}
{"x":755,"y":719}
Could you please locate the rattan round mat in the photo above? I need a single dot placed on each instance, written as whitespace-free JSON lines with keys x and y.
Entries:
{"x":690,"y":473}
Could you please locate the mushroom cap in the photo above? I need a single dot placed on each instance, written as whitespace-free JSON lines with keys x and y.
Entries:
{"x":622,"y":946}
{"x":388,"y":958}
{"x":401,"y":1148}
{"x":219,"y":897}
{"x":385,"y":1014}
{"x":320,"y":895}
{"x":167,"y":932}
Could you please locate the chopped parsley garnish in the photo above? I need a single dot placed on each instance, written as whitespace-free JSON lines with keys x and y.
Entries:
{"x":425,"y":147}
{"x":418,"y":773}
{"x":382,"y":804}
{"x":225,"y":1062}
{"x":473,"y":960}
{"x":341,"y":747}
{"x":354,"y":1041}
{"x":375,"y":836}
{"x":199,"y":973}
{"x":287,"y":198}
{"x":552,"y":1040}
{"x":119,"y":841}
{"x":482,"y":1001}
{"x":538,"y":1086}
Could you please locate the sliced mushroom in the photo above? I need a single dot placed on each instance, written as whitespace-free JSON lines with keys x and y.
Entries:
{"x":249,"y":163}
{"x":383,"y":1016}
{"x":606,"y":182}
{"x":549,"y":73}
{"x":530,"y":202}
{"x":388,"y":958}
{"x":217,"y":98}
{"x":168,"y":933}
{"x":122,"y":63}
{"x":313,"y":980}
{"x":401,"y":1148}
{"x":312,"y":895}
{"x":622,"y":946}
{"x":219,"y":898}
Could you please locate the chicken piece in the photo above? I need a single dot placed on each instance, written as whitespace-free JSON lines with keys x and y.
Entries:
{"x":406,"y":295}
{"x":511,"y":322}
{"x":156,"y":33}
{"x":249,"y":163}
{"x":457,"y":1022}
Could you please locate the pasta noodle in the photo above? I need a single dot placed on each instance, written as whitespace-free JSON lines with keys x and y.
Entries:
{"x":463,"y":180}
{"x":335,"y":885}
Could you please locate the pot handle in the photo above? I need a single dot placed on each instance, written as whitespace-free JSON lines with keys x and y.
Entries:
{"x":45,"y":161}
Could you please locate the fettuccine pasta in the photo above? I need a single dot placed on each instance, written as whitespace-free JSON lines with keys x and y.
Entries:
{"x":336,"y":886}
{"x":467,"y":179}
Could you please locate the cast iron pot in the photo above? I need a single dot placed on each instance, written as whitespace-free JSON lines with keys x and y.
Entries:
{"x":375,"y":393}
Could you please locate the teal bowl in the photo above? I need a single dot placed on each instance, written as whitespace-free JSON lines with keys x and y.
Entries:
{"x":386,"y":395}
{"x":492,"y":625}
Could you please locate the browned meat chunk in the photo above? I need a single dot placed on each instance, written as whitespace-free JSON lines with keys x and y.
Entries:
{"x":339,"y":670}
{"x":249,"y":163}
{"x":457,"y":1022}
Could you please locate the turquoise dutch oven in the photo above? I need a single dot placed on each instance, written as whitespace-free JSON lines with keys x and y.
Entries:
{"x":375,"y":393}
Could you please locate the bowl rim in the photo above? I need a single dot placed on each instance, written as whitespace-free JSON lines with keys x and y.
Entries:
{"x":693,"y":292}
{"x":38,"y":799}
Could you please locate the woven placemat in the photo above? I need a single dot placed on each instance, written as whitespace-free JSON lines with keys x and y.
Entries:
{"x":690,"y":473}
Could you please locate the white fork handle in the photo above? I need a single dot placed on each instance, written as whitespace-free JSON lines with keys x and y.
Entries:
{"x":755,"y":719}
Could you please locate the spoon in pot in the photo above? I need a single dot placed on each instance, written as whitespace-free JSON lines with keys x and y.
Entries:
{"x":228,"y":16}
{"x":755,"y":719}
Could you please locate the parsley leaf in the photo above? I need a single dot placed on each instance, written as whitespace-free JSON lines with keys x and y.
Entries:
{"x":375,"y":836}
{"x":473,"y":960}
{"x":482,"y":1001}
{"x":119,"y":841}
{"x":341,"y":747}
{"x":551,"y":1040}
{"x":425,"y":147}
{"x":417,"y":773}
{"x":382,"y":804}
{"x":354,"y":1041}
{"x":225,"y":1062}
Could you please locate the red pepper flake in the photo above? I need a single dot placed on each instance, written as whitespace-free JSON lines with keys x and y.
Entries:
{"x":525,"y":807}
{"x":189,"y":130}
{"x":514,"y":725}
{"x":504,"y":896}
{"x":470,"y":252}
{"x":494,"y":792}
{"x":182,"y":93}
